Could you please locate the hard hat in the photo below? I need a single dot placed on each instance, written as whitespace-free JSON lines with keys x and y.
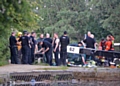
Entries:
{"x":19,"y":33}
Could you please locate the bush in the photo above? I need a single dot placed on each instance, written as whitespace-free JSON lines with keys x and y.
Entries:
{"x":4,"y":51}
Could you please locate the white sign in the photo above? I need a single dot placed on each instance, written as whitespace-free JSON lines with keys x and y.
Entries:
{"x":116,"y":44}
{"x":73,"y":49}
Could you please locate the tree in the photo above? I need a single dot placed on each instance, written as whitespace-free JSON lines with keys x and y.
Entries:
{"x":107,"y":15}
{"x":15,"y":15}
{"x":75,"y":16}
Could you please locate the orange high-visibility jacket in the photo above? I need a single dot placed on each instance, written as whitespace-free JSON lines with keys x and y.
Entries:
{"x":108,"y":45}
{"x":18,"y":44}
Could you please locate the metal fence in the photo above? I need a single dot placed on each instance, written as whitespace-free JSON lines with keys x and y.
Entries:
{"x":44,"y":78}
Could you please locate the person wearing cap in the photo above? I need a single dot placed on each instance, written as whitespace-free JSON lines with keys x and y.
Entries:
{"x":47,"y":50}
{"x":13,"y":48}
{"x":64,"y":41}
{"x":19,"y":47}
{"x":25,"y":46}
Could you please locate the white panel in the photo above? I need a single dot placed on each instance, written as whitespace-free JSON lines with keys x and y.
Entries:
{"x":73,"y":49}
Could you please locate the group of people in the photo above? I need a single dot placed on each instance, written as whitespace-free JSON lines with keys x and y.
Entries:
{"x":90,"y":42}
{"x":56,"y":45}
{"x":24,"y":47}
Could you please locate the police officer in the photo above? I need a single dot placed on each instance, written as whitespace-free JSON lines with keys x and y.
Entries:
{"x":29,"y":48}
{"x":33,"y":44}
{"x":25,"y":46}
{"x":64,"y":41}
{"x":47,"y":50}
{"x":13,"y":48}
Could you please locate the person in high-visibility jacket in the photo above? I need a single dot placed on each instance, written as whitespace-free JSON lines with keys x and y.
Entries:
{"x":108,"y":43}
{"x":108,"y":47}
{"x":19,"y":47}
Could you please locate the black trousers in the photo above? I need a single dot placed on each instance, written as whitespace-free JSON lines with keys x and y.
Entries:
{"x":48,"y":55}
{"x":29,"y":56}
{"x":14,"y":54}
{"x":57,"y":61}
{"x":19,"y":56}
{"x":25,"y":54}
{"x":63,"y":57}
{"x":32,"y":54}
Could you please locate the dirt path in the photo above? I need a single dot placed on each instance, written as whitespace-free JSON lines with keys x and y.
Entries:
{"x":28,"y":68}
{"x":21,"y":68}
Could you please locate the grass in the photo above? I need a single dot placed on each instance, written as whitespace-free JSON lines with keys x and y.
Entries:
{"x":1,"y":80}
{"x":42,"y":64}
{"x":3,"y":62}
{"x":53,"y":68}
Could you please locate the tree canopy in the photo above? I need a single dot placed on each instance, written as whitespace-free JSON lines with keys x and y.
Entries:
{"x":15,"y":15}
{"x":79,"y":16}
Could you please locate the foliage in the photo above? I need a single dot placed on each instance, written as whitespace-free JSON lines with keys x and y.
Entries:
{"x":79,"y":16}
{"x":15,"y":15}
{"x":107,"y":15}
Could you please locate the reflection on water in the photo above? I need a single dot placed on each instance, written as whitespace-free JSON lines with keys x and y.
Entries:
{"x":64,"y":83}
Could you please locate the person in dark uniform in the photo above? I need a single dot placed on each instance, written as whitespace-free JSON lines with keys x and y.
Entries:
{"x":33,"y":43}
{"x":13,"y":48}
{"x":90,"y":43}
{"x":47,"y":50}
{"x":64,"y":41}
{"x":29,"y":48}
{"x":25,"y":46}
{"x":56,"y":41}
{"x":48,"y":38}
